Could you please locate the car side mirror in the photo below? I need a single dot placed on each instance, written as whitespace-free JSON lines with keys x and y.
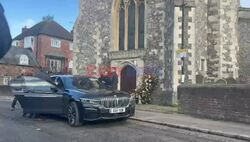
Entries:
{"x":56,"y":83}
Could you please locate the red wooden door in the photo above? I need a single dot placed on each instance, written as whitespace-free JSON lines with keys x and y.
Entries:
{"x":128,"y":79}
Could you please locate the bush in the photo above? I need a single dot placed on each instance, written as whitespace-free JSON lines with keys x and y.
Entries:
{"x":143,"y":93}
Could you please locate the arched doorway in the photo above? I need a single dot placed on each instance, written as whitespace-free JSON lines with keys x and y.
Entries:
{"x":128,"y":79}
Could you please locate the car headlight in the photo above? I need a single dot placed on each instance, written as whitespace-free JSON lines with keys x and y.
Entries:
{"x":90,"y":102}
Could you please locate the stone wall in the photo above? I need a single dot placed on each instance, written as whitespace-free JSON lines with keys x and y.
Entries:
{"x":92,"y":34}
{"x":201,"y":30}
{"x":229,"y":102}
{"x":244,"y":51}
{"x":222,"y":39}
{"x":189,"y":44}
{"x":159,"y":45}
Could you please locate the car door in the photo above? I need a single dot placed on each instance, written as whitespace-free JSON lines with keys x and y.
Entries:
{"x":42,"y":97}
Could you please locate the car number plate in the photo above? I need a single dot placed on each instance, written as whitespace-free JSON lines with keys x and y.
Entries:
{"x":117,"y":110}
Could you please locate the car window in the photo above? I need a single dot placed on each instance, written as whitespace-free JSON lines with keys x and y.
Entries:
{"x":17,"y":84}
{"x":84,"y":83}
{"x":35,"y":84}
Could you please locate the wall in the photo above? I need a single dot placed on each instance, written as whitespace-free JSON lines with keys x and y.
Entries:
{"x":159,"y":23}
{"x":244,"y":39}
{"x":189,"y":45}
{"x":201,"y":30}
{"x":222,"y":39}
{"x":231,"y":102}
{"x":12,"y":71}
{"x":92,"y":34}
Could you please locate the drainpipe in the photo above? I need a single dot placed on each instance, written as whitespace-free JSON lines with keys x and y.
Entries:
{"x":183,"y":74}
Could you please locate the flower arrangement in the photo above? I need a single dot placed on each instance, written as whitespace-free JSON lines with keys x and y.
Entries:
{"x":144,"y":92}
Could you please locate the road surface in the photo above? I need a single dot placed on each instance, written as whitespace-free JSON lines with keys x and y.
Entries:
{"x":15,"y":128}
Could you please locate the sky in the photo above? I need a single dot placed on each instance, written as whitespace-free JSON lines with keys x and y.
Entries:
{"x":22,"y":13}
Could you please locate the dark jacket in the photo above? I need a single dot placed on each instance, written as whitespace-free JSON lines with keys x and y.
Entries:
{"x":5,"y":37}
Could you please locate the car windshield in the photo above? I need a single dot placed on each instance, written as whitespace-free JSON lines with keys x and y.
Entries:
{"x":82,"y":83}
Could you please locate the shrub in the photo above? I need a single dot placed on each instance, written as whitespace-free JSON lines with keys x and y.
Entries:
{"x":144,"y":92}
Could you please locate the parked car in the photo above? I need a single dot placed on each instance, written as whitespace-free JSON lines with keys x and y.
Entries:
{"x":78,"y":98}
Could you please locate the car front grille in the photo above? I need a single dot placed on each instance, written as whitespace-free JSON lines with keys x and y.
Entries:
{"x":114,"y":102}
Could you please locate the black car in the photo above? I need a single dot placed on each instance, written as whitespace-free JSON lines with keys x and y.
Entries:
{"x":78,"y":98}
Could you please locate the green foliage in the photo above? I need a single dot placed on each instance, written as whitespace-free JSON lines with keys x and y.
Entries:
{"x":147,"y":86}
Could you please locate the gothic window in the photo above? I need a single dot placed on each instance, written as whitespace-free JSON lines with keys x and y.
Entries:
{"x":141,"y":24}
{"x":129,"y":24}
{"x":122,"y":26}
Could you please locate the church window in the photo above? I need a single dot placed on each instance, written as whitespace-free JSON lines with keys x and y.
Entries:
{"x":141,"y":24}
{"x":129,"y":25}
{"x":122,"y":26}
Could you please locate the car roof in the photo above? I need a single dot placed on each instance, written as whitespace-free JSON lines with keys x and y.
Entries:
{"x":28,"y":78}
{"x":62,"y":76}
{"x":69,"y":76}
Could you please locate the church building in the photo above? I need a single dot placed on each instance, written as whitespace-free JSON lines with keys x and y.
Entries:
{"x":137,"y":35}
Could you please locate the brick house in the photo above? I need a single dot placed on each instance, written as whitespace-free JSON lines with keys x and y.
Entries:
{"x":50,"y":43}
{"x":14,"y":62}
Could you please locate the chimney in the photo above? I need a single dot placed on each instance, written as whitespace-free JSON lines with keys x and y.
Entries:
{"x":24,"y":29}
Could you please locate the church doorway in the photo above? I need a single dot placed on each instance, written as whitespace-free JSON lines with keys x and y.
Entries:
{"x":128,"y":79}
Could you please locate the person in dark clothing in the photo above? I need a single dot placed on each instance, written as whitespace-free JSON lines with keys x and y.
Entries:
{"x":110,"y":81}
{"x":13,"y":104}
{"x":5,"y":37}
{"x":114,"y":81}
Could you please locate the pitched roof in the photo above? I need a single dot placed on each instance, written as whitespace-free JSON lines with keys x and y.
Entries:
{"x":13,"y":57}
{"x":47,"y":27}
{"x":244,"y":13}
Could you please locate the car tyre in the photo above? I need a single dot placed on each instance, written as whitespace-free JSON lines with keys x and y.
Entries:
{"x":73,"y":115}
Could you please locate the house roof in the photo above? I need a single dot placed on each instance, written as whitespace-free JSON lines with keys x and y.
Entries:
{"x":244,"y":13}
{"x":13,"y":57}
{"x":47,"y":27}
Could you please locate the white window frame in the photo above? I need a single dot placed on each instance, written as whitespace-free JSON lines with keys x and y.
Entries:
{"x":71,"y":46}
{"x":29,"y":42}
{"x":15,"y":43}
{"x":24,"y":60}
{"x":6,"y":80}
{"x":71,"y":64}
{"x":56,"y":43}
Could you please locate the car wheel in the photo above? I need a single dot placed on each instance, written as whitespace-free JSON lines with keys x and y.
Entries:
{"x":73,"y":115}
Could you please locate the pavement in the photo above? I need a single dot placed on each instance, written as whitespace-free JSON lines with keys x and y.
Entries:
{"x":15,"y":128}
{"x":174,"y":120}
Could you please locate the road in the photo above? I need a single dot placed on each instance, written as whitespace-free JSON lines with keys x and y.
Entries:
{"x":15,"y":128}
